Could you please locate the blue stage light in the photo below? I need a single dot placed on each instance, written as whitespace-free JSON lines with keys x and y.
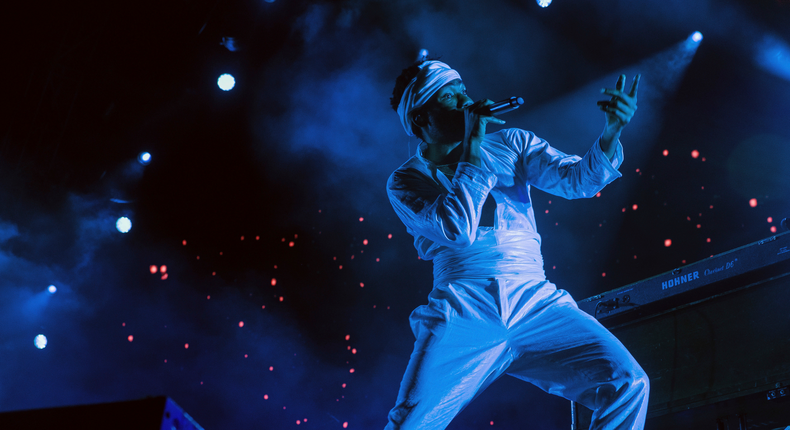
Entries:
{"x":226,"y":82}
{"x":52,"y":289}
{"x":773,"y":55}
{"x":40,"y":341}
{"x":696,"y":36}
{"x":144,"y":158}
{"x":123,"y":224}
{"x":544,"y":3}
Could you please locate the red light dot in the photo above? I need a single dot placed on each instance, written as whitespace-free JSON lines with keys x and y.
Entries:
{"x":492,"y":423}
{"x":164,"y":276}
{"x":547,"y":211}
{"x":263,"y":307}
{"x":275,"y":266}
{"x":348,"y":336}
{"x":666,"y":152}
{"x":283,"y":240}
{"x":773,"y":229}
{"x":377,"y":260}
{"x":708,"y":240}
{"x":703,"y":158}
{"x":668,"y":243}
{"x":694,"y":154}
{"x":770,"y":219}
{"x":699,"y":225}
{"x":711,"y":206}
{"x":153,"y":269}
{"x":344,"y":385}
{"x":296,"y":236}
{"x":242,"y":238}
{"x":131,"y":338}
{"x":361,"y":285}
{"x":298,"y":422}
{"x":245,"y":355}
{"x":281,"y":298}
{"x":354,"y":351}
{"x":213,"y":273}
{"x":350,"y":370}
{"x":634,"y":207}
{"x":257,"y":238}
{"x":265,"y":397}
{"x":345,"y":425}
{"x":291,"y":244}
{"x":123,"y":324}
{"x":198,"y":257}
{"x":241,"y":323}
{"x":274,"y":281}
{"x":341,"y":267}
{"x":220,"y":253}
{"x":186,"y":346}
{"x":634,"y":257}
{"x":603,"y":274}
{"x":184,"y":242}
{"x":165,"y":360}
{"x":365,"y":242}
{"x":637,"y":170}
{"x":208,"y":297}
{"x":271,"y":368}
{"x":598,"y":195}
{"x":389,"y":236}
{"x":623,"y":209}
{"x":753,"y":202}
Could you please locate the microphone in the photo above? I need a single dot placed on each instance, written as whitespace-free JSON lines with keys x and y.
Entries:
{"x":503,"y":106}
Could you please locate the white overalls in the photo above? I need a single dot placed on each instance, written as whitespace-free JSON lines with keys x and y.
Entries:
{"x":491,"y":310}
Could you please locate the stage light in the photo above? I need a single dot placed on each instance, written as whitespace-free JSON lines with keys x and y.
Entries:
{"x":123,"y":224}
{"x":144,"y":158}
{"x":773,"y":55}
{"x":52,"y":289}
{"x":40,"y":341}
{"x":226,"y":82}
{"x":544,"y":3}
{"x":696,"y":36}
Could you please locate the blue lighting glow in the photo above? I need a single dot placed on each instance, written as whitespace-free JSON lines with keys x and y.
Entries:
{"x":40,"y":341}
{"x":144,"y":158}
{"x":544,"y":3}
{"x":226,"y":82}
{"x":52,"y":289}
{"x":697,"y":37}
{"x":773,"y":55}
{"x":123,"y":224}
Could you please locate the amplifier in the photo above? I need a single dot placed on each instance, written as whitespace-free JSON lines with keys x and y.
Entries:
{"x":153,"y":413}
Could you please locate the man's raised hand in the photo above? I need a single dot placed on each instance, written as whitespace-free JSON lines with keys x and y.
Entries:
{"x":622,"y":106}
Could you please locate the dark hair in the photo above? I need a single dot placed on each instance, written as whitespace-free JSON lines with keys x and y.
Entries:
{"x":402,"y":81}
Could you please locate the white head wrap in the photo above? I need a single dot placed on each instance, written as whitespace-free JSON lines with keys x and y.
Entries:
{"x":432,"y":76}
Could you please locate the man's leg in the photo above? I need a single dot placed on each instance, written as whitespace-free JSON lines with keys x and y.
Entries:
{"x":455,"y":357}
{"x":566,"y":352}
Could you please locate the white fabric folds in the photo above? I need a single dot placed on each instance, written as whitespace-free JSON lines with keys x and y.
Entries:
{"x":432,"y":76}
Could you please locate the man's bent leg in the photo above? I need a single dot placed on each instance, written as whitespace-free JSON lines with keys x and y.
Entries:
{"x":450,"y":365}
{"x":566,"y":352}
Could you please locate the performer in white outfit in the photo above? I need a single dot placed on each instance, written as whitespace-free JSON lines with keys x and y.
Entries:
{"x":465,"y":198}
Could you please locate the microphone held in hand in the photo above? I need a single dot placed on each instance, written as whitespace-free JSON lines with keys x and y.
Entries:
{"x":502,"y":106}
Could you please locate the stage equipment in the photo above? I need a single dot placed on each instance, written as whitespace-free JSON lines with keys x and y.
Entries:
{"x":152,"y":413}
{"x":712,"y":336}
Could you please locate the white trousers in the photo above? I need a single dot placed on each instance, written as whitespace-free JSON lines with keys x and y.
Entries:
{"x":473,"y":331}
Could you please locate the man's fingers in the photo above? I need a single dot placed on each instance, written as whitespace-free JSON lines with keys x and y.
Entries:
{"x":635,"y":85}
{"x":621,"y":83}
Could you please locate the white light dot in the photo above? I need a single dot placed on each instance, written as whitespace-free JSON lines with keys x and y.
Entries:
{"x":697,"y":36}
{"x":144,"y":158}
{"x":40,"y":341}
{"x":226,"y":82}
{"x":123,"y":224}
{"x":544,"y":3}
{"x":52,"y":289}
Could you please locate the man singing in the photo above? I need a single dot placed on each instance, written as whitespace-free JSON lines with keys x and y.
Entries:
{"x":465,"y":198}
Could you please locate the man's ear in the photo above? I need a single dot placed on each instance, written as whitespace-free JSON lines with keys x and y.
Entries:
{"x":420,"y":119}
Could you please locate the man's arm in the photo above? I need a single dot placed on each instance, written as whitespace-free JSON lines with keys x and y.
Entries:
{"x":619,"y":111}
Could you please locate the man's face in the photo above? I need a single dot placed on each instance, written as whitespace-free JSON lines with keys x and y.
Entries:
{"x":445,"y":112}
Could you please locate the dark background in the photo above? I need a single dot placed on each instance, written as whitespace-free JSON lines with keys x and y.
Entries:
{"x":299,"y":153}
